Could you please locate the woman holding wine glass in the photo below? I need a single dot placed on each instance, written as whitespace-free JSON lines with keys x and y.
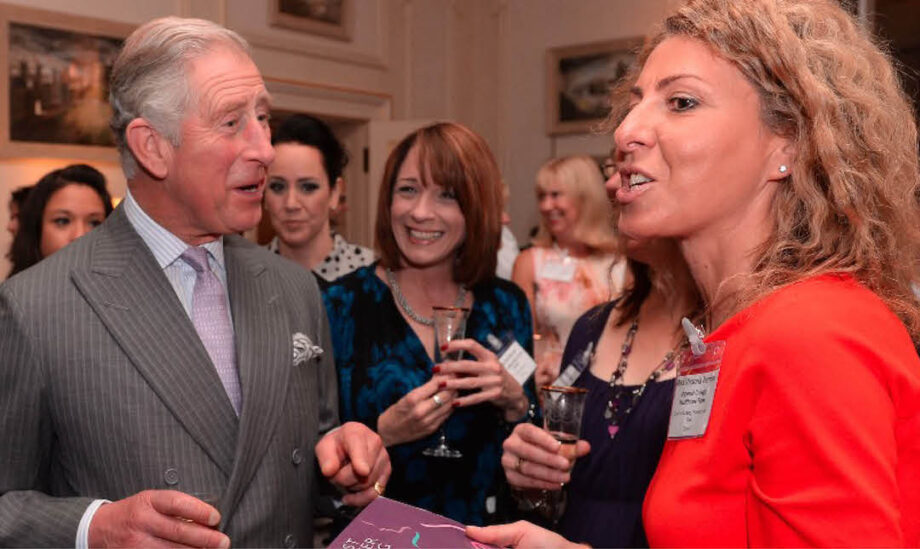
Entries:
{"x":623,"y":352}
{"x":437,"y":234}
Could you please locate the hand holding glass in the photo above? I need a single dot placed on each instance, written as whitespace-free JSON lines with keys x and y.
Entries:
{"x":563,"y":408}
{"x":449,"y":324}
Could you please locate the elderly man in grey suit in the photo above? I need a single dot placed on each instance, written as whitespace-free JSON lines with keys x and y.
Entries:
{"x":163,"y":381}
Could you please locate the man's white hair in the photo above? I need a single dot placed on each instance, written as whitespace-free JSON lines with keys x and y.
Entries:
{"x":150,"y":76}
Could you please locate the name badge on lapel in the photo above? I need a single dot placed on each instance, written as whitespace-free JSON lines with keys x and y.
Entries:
{"x":575,"y":368}
{"x":563,"y":271}
{"x":695,"y":386}
{"x":512,"y":357}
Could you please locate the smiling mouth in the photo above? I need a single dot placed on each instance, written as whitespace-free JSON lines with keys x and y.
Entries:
{"x":427,"y":236}
{"x":636,"y":180}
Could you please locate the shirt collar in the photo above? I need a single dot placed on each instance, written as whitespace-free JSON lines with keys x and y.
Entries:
{"x":339,"y":245}
{"x":166,"y":246}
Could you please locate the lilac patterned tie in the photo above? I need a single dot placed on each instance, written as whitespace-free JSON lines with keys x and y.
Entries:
{"x":212,"y":322}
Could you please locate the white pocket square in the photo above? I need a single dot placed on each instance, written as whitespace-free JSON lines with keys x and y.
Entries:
{"x":304,"y":349}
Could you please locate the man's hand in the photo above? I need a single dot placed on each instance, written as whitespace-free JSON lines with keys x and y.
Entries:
{"x":157,"y":518}
{"x":519,"y":535}
{"x":354,"y":459}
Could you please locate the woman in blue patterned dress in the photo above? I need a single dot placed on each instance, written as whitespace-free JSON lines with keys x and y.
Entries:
{"x":437,"y":232}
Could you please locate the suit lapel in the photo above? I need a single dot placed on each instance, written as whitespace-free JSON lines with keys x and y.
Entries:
{"x":129,"y":292}
{"x":264,"y":356}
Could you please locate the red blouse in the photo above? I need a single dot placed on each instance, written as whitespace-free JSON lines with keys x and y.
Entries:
{"x":814,"y":437}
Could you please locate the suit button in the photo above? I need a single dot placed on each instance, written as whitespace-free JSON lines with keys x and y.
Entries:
{"x":297,"y":456}
{"x":289,"y":541}
{"x":171,"y":477}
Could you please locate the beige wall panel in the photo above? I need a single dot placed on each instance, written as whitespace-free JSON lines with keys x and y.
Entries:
{"x":528,"y":28}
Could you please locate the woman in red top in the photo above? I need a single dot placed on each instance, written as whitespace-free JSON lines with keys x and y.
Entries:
{"x":772,"y":140}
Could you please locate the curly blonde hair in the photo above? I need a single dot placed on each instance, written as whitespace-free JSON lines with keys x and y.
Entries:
{"x":851,"y":203}
{"x":581,"y":175}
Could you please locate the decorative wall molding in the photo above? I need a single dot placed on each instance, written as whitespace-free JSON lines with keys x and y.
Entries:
{"x":309,"y":49}
{"x":330,"y":100}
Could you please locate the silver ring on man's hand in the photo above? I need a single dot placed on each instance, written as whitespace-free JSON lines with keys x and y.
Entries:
{"x":437,"y":401}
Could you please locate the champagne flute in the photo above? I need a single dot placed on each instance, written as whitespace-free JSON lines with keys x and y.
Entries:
{"x":449,"y":324}
{"x":563,"y":408}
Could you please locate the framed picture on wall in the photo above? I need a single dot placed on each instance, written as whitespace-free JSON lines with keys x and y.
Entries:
{"x":54,"y":96}
{"x":578,"y":82}
{"x":331,"y":18}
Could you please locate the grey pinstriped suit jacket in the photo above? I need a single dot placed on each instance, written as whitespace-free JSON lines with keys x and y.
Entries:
{"x":106,"y":390}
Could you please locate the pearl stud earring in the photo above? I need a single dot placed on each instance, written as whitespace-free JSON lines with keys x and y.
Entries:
{"x":783,"y":169}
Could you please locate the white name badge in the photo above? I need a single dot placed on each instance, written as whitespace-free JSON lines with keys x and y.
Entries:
{"x":694,"y":392}
{"x":568,"y":377}
{"x":513,"y":358}
{"x":574,"y":370}
{"x":563,"y":271}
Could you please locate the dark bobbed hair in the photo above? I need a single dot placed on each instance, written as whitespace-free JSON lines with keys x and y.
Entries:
{"x":26,"y":250}
{"x":304,"y":129}
{"x":459,"y":160}
{"x":642,"y":278}
{"x":20,"y":195}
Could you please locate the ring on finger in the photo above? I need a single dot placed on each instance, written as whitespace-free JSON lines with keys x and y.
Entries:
{"x":437,"y":401}
{"x":379,"y":488}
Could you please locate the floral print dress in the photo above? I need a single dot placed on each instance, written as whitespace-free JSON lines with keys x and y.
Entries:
{"x":560,"y":300}
{"x":379,"y":359}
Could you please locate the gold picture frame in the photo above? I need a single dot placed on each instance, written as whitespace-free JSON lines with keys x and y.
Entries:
{"x":54,"y":96}
{"x":329,"y":18}
{"x":578,"y":82}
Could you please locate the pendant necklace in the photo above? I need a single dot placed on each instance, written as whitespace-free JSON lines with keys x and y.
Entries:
{"x":404,"y":304}
{"x":623,"y":399}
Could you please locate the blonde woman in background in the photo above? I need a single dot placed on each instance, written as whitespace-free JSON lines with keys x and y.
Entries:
{"x":574,"y":263}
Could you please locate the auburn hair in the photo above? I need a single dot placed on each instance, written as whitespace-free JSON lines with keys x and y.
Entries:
{"x":459,"y":160}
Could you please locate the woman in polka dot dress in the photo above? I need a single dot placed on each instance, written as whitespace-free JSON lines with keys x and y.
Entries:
{"x":304,"y":186}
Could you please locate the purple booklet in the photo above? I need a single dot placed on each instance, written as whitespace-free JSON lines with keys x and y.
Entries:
{"x":389,"y":524}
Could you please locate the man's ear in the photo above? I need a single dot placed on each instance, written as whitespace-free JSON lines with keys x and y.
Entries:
{"x":151,"y":150}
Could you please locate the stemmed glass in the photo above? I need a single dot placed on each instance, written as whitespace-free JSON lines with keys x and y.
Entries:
{"x":449,"y":324}
{"x":563,"y":408}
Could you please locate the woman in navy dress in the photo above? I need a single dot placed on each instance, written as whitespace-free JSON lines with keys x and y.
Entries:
{"x":438,"y":230}
{"x":623,"y":352}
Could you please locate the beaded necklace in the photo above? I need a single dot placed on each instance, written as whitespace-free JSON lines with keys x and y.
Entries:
{"x":404,"y":304}
{"x":622,"y":399}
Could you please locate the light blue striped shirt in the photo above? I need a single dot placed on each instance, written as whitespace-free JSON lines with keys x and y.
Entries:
{"x":167,"y":249}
